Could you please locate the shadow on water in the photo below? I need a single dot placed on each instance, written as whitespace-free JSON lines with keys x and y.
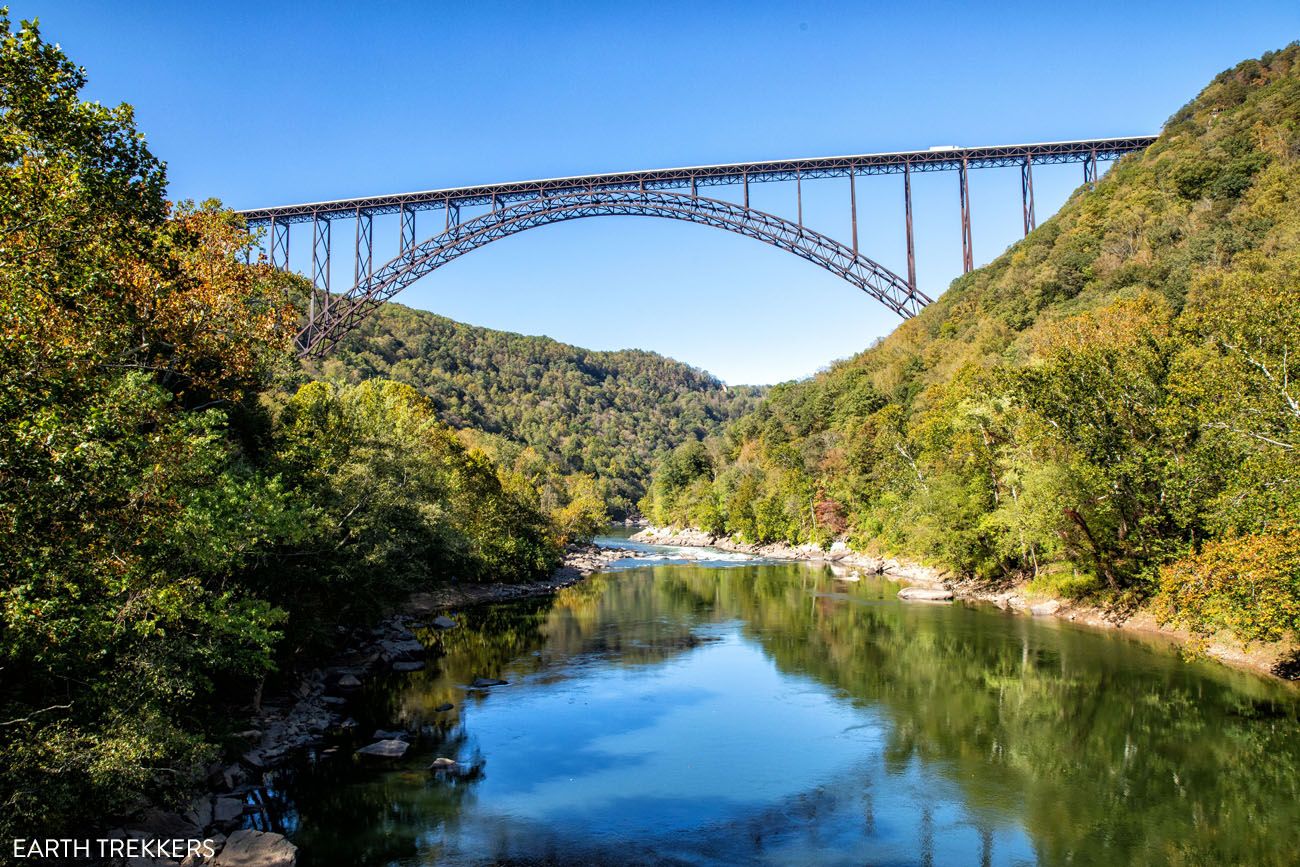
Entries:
{"x":777,"y":714}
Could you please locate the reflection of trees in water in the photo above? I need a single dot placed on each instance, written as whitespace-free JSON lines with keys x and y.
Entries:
{"x":1101,"y":749}
{"x":1104,"y":750}
{"x":352,"y":812}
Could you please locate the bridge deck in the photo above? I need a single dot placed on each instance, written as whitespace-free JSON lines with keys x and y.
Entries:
{"x":934,"y":159}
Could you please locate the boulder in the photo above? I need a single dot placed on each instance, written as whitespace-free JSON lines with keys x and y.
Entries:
{"x":1045,"y":609}
{"x":391,"y":748}
{"x":249,"y":848}
{"x":200,"y":812}
{"x":444,"y":764}
{"x":390,"y":735}
{"x":442,"y":621}
{"x":925,"y":594}
{"x":254,"y":759}
{"x":485,"y":682}
{"x":405,"y":648}
{"x":227,"y":811}
{"x":349,"y":681}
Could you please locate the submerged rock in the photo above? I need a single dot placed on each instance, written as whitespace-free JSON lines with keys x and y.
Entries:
{"x":390,"y":748}
{"x":249,"y":848}
{"x":445,"y":706}
{"x":485,"y":682}
{"x":407,"y":666}
{"x":925,"y":594}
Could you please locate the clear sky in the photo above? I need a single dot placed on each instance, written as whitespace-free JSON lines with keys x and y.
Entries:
{"x":276,"y":103}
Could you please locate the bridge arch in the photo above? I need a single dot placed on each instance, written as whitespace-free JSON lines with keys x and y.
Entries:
{"x":338,"y":315}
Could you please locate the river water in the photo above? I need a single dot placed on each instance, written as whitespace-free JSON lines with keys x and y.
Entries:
{"x":731,"y":711}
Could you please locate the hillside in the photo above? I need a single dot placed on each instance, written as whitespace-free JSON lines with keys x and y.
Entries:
{"x":610,"y":415}
{"x":1108,"y":409}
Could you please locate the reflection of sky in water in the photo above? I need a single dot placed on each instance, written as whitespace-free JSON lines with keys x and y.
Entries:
{"x":777,"y":714}
{"x":709,"y":757}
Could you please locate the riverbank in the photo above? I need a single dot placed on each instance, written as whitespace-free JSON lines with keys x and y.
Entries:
{"x":1278,"y":661}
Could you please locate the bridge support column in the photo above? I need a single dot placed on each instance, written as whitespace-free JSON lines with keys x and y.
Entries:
{"x":853,"y":208}
{"x":320,"y":271}
{"x":363,"y":264}
{"x":907,"y":211}
{"x":1027,"y":193}
{"x":279,"y":244}
{"x":798,"y":193}
{"x":745,"y":181}
{"x":408,"y":229}
{"x":1090,"y":170}
{"x":967,"y":253}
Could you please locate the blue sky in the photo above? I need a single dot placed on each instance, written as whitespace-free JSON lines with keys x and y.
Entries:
{"x":261,"y":104}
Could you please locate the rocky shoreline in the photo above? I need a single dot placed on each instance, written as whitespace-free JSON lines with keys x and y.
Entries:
{"x":1273,"y":662}
{"x":312,"y":715}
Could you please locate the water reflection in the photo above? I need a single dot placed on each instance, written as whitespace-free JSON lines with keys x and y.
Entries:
{"x":776,"y":714}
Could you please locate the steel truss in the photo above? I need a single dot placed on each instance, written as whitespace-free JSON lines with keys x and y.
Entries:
{"x":670,"y":193}
{"x":937,"y":160}
{"x":345,"y":312}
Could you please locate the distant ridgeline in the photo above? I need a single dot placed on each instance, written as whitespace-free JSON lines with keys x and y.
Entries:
{"x":541,"y":404}
{"x":1111,"y":407}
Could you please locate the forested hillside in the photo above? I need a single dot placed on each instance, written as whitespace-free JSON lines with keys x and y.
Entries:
{"x":608,"y":415}
{"x":176,"y":525}
{"x":1108,"y":409}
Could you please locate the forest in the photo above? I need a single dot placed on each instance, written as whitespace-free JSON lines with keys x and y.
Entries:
{"x":182,"y":517}
{"x":1108,"y":411}
{"x":572,"y":420}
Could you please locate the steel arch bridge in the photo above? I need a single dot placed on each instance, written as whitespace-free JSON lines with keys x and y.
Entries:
{"x":665,"y":193}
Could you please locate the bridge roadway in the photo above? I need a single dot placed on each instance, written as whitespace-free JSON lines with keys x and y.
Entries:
{"x":1088,"y":151}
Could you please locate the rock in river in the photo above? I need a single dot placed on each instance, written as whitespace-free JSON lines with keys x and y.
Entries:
{"x":485,"y":682}
{"x":390,"y":748}
{"x":444,"y":764}
{"x":442,"y":621}
{"x":248,"y":848}
{"x":445,"y":706}
{"x":407,"y":666}
{"x":925,"y":594}
{"x":349,"y":681}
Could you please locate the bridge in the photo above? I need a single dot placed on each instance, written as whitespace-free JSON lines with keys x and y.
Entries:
{"x":509,"y":208}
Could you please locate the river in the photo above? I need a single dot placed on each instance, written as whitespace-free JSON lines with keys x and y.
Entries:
{"x":731,"y":711}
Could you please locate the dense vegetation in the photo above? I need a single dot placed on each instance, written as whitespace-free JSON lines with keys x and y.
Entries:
{"x":1109,"y":409}
{"x":173,"y":526}
{"x":606,"y":416}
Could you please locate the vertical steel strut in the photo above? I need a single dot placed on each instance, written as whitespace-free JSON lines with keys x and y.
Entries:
{"x":363,"y":264}
{"x":967,"y":253}
{"x":1090,"y":170}
{"x":320,"y":271}
{"x":798,"y":189}
{"x":408,"y":229}
{"x":911,"y":242}
{"x":1027,"y":193}
{"x":280,"y":244}
{"x":853,"y":208}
